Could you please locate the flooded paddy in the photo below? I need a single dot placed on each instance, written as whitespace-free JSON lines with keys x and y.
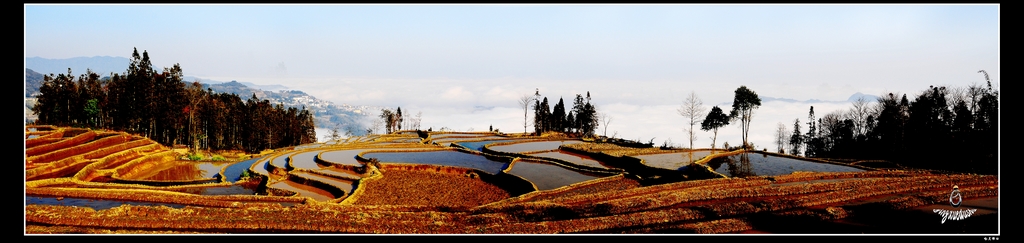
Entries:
{"x":302,"y":190}
{"x":304,"y":160}
{"x":233,"y":172}
{"x":459,"y":134}
{"x":441,"y":157}
{"x":757,"y":164}
{"x":182,"y":170}
{"x":281,"y":161}
{"x":448,"y":141}
{"x":547,"y":176}
{"x":672,"y":161}
{"x":531,"y":146}
{"x":577,"y":159}
{"x":345,"y":186}
{"x":406,"y":140}
{"x":342,"y":157}
{"x":479,"y":145}
{"x":340,"y":173}
{"x":97,"y":204}
{"x":260,"y":167}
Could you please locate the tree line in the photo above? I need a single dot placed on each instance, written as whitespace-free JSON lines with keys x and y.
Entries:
{"x":950,"y":128}
{"x":160,"y":106}
{"x":581,"y":120}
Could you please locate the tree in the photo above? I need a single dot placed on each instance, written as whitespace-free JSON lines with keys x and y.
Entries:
{"x":398,"y":120}
{"x":715,"y":119}
{"x":542,"y":121}
{"x":524,"y":102}
{"x":590,"y":117}
{"x":796,"y":139}
{"x":743,"y":105}
{"x":693,"y":110}
{"x":780,"y":137}
{"x":811,"y":136}
{"x":557,"y":117}
{"x":605,"y":120}
{"x":388,"y":117}
{"x":583,"y":117}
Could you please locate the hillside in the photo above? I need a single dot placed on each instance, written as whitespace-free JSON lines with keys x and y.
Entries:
{"x":33,"y":81}
{"x":100,"y":65}
{"x":326,"y":114}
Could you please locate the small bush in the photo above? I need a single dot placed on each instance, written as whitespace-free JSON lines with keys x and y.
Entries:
{"x":194,"y":157}
{"x":218,"y":158}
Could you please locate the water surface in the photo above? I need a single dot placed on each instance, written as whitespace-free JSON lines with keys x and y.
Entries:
{"x":233,"y":172}
{"x":97,"y":204}
{"x":532,"y":146}
{"x":672,"y":161}
{"x":548,"y":176}
{"x":578,"y":159}
{"x":442,"y":157}
{"x":756,"y":164}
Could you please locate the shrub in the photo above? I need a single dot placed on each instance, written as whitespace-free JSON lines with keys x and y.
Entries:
{"x":218,"y":158}
{"x":194,"y":157}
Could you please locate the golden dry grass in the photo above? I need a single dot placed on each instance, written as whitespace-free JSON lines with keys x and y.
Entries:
{"x":425,"y":188}
{"x":424,"y":199}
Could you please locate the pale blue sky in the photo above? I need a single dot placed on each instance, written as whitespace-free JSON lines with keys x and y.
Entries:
{"x":452,"y":56}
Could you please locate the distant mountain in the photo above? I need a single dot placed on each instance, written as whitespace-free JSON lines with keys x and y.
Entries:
{"x":102,"y":65}
{"x":858,"y":95}
{"x":326,"y":114}
{"x":854,"y":97}
{"x":271,"y":87}
{"x":33,"y":81}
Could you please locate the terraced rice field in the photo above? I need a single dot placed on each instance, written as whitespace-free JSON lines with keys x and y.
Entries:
{"x":72,"y":186}
{"x":672,"y":161}
{"x":759,"y":164}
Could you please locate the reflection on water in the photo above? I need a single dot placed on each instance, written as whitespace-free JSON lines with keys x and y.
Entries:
{"x":185,"y":170}
{"x":672,"y":161}
{"x":97,"y":204}
{"x":344,"y":157}
{"x":234,"y":171}
{"x":756,"y":164}
{"x":305,"y":160}
{"x":345,"y":185}
{"x":573,"y":158}
{"x":548,"y":176}
{"x":444,"y":157}
{"x":302,"y":190}
{"x":281,"y":161}
{"x":223,"y":190}
{"x":532,"y":146}
{"x":261,"y":167}
{"x":479,"y":145}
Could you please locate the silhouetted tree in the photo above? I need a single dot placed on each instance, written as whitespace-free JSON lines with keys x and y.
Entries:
{"x":715,"y":119}
{"x":743,"y":105}
{"x":557,"y":117}
{"x":693,"y":110}
{"x":796,"y":139}
{"x":524,"y":102}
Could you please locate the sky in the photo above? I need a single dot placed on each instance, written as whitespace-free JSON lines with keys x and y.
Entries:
{"x":465,"y":66}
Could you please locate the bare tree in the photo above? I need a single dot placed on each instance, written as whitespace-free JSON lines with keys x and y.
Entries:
{"x":605,"y":120}
{"x":525,"y":102}
{"x":859,"y":113}
{"x":781,"y":135}
{"x":694,"y":111}
{"x":417,"y":120}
